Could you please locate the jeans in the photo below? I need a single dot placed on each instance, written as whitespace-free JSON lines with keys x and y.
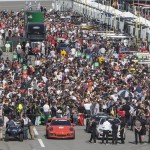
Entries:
{"x":1,"y":133}
{"x":37,"y":120}
{"x":25,"y":132}
{"x":137,"y":134}
{"x":46,"y":117}
{"x":75,"y":121}
{"x":105,"y":133}
{"x":121,"y":135}
{"x":93,"y":137}
{"x":114,"y":137}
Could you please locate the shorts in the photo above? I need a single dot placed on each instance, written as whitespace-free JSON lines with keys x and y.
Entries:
{"x":143,"y":132}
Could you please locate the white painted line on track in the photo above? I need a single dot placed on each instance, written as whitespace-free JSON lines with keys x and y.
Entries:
{"x":41,"y":143}
{"x":35,"y":131}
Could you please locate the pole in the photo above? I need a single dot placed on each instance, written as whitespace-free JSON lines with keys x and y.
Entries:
{"x":114,"y":15}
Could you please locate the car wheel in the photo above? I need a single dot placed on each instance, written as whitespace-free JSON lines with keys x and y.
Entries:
{"x":21,"y":137}
{"x":6,"y":137}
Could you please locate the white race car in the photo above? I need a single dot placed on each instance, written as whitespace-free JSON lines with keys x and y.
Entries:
{"x":99,"y":130}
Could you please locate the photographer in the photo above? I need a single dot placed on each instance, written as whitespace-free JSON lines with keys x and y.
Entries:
{"x":93,"y":131}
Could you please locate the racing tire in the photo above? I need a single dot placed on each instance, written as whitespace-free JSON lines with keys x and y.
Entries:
{"x":6,"y":137}
{"x":21,"y":137}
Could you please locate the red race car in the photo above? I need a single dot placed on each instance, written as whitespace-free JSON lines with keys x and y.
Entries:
{"x":60,"y":128}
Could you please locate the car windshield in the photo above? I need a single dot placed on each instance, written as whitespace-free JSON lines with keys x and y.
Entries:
{"x":61,"y":122}
{"x":97,"y":118}
{"x":116,"y":121}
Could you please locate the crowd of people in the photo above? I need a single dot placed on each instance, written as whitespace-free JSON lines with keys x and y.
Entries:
{"x":83,"y":77}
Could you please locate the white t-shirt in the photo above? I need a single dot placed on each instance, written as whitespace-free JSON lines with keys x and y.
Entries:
{"x":106,"y":125}
{"x":7,"y":45}
{"x":87,"y":106}
{"x":96,"y":109}
{"x":18,"y":47}
{"x":46,"y":108}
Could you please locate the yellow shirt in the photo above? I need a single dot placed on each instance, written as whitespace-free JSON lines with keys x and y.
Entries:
{"x":63,"y":52}
{"x":101,"y":59}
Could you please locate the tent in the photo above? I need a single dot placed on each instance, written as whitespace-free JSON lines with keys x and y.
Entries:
{"x":128,"y":15}
{"x":143,"y":21}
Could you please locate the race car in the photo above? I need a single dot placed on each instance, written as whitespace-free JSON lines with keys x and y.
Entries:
{"x":97,"y":117}
{"x":99,"y":130}
{"x":60,"y":128}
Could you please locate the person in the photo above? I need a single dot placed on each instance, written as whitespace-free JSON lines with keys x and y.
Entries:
{"x":7,"y":46}
{"x":31,"y":132}
{"x":1,"y":52}
{"x":81,"y":112}
{"x":46,"y":110}
{"x":10,"y":122}
{"x":75,"y":117}
{"x":38,"y":114}
{"x":114,"y":133}
{"x":19,"y":109}
{"x":106,"y":128}
{"x":67,"y":112}
{"x":126,"y":108}
{"x":1,"y":127}
{"x":54,"y":109}
{"x":122,"y":128}
{"x":1,"y":111}
{"x":26,"y":121}
{"x":137,"y":127}
{"x":143,"y":129}
{"x":93,"y":131}
{"x":96,"y":109}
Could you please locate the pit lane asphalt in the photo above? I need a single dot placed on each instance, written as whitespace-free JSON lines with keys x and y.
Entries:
{"x":79,"y":143}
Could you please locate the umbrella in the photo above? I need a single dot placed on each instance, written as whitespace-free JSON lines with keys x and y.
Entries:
{"x":125,"y":93}
{"x":139,"y":89}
